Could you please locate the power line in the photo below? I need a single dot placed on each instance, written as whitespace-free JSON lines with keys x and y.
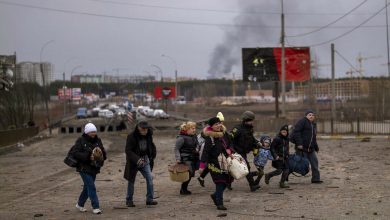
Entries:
{"x":219,"y":10}
{"x":342,"y":57}
{"x":348,"y":32}
{"x":333,"y":22}
{"x":169,"y":21}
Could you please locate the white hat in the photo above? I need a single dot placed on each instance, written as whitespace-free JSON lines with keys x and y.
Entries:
{"x":90,"y":128}
{"x":220,"y":116}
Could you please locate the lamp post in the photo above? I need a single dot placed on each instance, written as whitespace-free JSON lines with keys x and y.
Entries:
{"x":159,"y":69}
{"x":176,"y":91}
{"x":46,"y":90}
{"x":76,"y":67}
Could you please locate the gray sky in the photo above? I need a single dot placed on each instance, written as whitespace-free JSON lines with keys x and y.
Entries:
{"x":204,"y":36}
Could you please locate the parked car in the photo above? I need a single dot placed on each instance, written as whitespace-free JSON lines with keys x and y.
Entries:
{"x":104,"y":113}
{"x":81,"y":113}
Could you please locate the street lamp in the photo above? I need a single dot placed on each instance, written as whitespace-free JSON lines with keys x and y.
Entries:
{"x":159,"y":69}
{"x":46,"y":91}
{"x":176,"y":91}
{"x":66,"y":62}
{"x":71,"y":73}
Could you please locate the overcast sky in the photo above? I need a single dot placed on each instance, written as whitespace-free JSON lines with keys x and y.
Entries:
{"x":204,"y":37}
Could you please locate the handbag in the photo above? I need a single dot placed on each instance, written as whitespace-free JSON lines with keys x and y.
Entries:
{"x":237,"y":166}
{"x":298,"y":164}
{"x":70,"y":160}
{"x":223,"y":163}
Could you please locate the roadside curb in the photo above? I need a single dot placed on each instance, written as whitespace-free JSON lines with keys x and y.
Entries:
{"x":346,"y":137}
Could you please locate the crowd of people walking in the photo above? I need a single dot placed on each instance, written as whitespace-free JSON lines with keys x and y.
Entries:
{"x":204,"y":153}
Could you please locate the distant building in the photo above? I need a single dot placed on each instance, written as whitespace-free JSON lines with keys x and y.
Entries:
{"x":111,"y":79}
{"x":345,"y":89}
{"x":31,"y":72}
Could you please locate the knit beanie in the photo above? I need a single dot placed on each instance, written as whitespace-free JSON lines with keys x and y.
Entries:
{"x":248,"y":116}
{"x":213,"y":121}
{"x":284,"y":127}
{"x":220,"y":116}
{"x":90,"y":128}
{"x":308,"y":112}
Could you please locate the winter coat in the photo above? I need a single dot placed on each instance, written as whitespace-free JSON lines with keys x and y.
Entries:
{"x":186,"y":148}
{"x":83,"y":151}
{"x":262,"y":157}
{"x":215,"y":144}
{"x":243,"y":139}
{"x":305,"y":134}
{"x":280,"y":148}
{"x":133,"y":152}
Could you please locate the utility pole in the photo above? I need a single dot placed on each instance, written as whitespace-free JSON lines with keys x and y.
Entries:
{"x":387,"y":41}
{"x":333,"y":117}
{"x":234,"y":85}
{"x":64,"y":93}
{"x":283,"y":67}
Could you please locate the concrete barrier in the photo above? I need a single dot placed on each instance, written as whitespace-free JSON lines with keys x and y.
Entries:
{"x":9,"y":137}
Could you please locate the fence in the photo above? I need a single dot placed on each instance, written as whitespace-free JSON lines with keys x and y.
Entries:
{"x":272,"y":126}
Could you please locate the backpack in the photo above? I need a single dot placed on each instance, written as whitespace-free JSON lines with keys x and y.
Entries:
{"x":70,"y":160}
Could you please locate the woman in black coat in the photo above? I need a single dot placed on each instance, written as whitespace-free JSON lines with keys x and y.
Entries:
{"x":90,"y":155}
{"x":280,"y":151}
{"x":217,"y":146}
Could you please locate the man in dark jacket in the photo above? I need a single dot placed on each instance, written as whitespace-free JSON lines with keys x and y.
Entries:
{"x":140,"y":155}
{"x":244,"y":142}
{"x":304,"y":138}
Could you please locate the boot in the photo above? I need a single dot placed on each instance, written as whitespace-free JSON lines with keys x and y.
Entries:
{"x":254,"y":187}
{"x":221,"y":207}
{"x":267,"y":178}
{"x":283,"y":185}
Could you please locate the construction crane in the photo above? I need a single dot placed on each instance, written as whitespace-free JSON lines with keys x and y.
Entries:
{"x":360,"y":60}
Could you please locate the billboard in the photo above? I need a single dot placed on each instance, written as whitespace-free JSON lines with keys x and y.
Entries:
{"x":166,"y":92}
{"x":76,"y":93}
{"x":264,"y":64}
{"x":66,"y":96}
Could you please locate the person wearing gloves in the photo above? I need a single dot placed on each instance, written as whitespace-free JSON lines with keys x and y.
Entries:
{"x":90,"y":154}
{"x":140,"y":155}
{"x":280,"y":152}
{"x":305,"y":139}
{"x":216,"y":149}
{"x":186,"y":151}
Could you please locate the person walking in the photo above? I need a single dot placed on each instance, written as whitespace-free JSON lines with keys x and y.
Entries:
{"x":216,"y":149}
{"x":90,"y":154}
{"x":305,"y":139}
{"x":186,"y":151}
{"x":244,"y":142}
{"x":280,"y":152}
{"x":140,"y":155}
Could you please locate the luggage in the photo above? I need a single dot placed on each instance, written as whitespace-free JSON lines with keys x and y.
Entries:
{"x":237,"y":166}
{"x":298,"y":164}
{"x":179,"y":172}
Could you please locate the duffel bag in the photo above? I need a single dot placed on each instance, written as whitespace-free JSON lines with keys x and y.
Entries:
{"x":298,"y":164}
{"x":237,"y":166}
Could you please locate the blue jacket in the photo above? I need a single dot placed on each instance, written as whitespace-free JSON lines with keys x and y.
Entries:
{"x":262,"y":157}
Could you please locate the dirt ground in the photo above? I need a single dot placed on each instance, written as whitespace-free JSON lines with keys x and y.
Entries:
{"x":36,"y":184}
